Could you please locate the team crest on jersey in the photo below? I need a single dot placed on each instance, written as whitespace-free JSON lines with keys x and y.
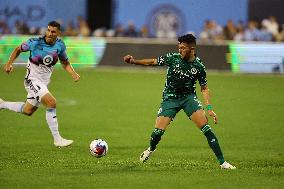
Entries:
{"x":47,"y":60}
{"x":193,"y":71}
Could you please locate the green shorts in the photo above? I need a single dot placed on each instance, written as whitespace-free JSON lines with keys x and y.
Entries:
{"x":189,"y":104}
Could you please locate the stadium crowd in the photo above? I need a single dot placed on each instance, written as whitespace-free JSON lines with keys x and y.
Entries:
{"x":268,"y":29}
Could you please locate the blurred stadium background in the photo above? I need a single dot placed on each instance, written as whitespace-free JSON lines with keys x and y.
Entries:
{"x":237,"y":36}
{"x":115,"y":102}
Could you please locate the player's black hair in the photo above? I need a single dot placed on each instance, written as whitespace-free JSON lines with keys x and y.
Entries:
{"x":188,"y":38}
{"x":54,"y":24}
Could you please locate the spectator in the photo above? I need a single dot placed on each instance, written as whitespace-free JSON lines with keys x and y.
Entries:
{"x":4,"y":27}
{"x":240,"y":32}
{"x":83,"y":27}
{"x":271,"y":25}
{"x":252,"y":33}
{"x":131,"y":30}
{"x":70,"y":30}
{"x":100,"y":32}
{"x":144,"y":32}
{"x":119,"y":31}
{"x":34,"y":30}
{"x":280,"y":35}
{"x":211,"y":31}
{"x":17,"y":29}
{"x":229,"y":31}
{"x":264,"y":34}
{"x":205,"y":32}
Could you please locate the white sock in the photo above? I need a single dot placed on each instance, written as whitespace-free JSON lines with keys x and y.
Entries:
{"x":53,"y":123}
{"x":13,"y":106}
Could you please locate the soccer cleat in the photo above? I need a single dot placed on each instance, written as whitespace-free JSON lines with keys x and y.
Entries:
{"x":226,"y":165}
{"x":1,"y":101}
{"x":63,"y":142}
{"x":145,"y":155}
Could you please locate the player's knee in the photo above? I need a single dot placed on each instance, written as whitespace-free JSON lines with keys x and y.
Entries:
{"x":51,"y":103}
{"x":28,"y":112}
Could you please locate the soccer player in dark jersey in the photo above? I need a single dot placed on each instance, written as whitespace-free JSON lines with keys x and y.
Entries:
{"x":44,"y":54}
{"x":184,"y":69}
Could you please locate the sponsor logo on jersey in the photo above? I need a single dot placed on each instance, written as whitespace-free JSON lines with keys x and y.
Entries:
{"x":47,"y":60}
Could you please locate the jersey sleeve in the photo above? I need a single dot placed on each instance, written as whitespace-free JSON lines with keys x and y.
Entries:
{"x":202,"y":76}
{"x":164,"y":60}
{"x":29,"y":45}
{"x":62,"y":54}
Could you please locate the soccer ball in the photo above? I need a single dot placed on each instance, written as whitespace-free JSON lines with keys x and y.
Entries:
{"x":98,"y":148}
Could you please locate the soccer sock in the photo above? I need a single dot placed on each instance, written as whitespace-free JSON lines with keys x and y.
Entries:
{"x":52,"y":123}
{"x":155,"y":138}
{"x":13,"y":106}
{"x":213,"y":142}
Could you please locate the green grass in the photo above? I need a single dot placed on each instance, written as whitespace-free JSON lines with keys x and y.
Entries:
{"x":120,"y":106}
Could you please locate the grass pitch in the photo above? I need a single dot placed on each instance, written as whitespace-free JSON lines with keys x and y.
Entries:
{"x":120,"y":106}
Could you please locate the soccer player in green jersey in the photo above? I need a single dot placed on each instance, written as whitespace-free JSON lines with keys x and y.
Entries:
{"x":184,"y":69}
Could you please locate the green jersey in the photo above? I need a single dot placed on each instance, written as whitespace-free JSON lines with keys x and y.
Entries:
{"x":181,"y":75}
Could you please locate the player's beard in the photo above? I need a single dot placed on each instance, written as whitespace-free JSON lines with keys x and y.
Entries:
{"x":50,"y":40}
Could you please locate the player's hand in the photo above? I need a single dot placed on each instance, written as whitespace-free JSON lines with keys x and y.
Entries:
{"x":8,"y":68}
{"x":75,"y":76}
{"x":211,"y":113}
{"x":129,"y":59}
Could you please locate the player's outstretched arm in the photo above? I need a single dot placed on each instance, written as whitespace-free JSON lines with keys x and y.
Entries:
{"x":146,"y":62}
{"x":8,"y":67}
{"x":69,"y":68}
{"x":209,"y":108}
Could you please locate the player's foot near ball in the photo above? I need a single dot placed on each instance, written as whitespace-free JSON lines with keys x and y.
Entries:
{"x":226,"y":165}
{"x":62,"y":142}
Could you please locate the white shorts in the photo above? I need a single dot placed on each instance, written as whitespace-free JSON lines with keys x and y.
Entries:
{"x":36,"y":90}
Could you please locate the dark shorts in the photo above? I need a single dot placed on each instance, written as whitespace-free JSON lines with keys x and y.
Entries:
{"x":189,"y":104}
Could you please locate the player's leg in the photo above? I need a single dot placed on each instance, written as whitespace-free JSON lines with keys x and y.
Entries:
{"x":166,"y":113}
{"x":200,"y":119}
{"x":13,"y":106}
{"x":49,"y":102}
{"x":29,"y":109}
{"x":19,"y":107}
{"x":193,"y":108}
{"x":160,"y":127}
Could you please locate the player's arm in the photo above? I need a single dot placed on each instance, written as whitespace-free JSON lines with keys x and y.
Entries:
{"x":69,"y":68}
{"x":8,"y":67}
{"x":206,"y":96}
{"x":146,"y":62}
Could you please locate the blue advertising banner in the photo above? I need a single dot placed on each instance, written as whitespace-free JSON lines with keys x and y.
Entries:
{"x":180,"y":16}
{"x":38,"y":13}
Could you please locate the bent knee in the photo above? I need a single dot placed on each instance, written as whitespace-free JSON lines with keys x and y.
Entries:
{"x":29,"y":109}
{"x":50,"y":102}
{"x":28,"y":112}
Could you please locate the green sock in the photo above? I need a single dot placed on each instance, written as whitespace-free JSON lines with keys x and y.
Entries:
{"x":213,"y":142}
{"x":155,"y":138}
